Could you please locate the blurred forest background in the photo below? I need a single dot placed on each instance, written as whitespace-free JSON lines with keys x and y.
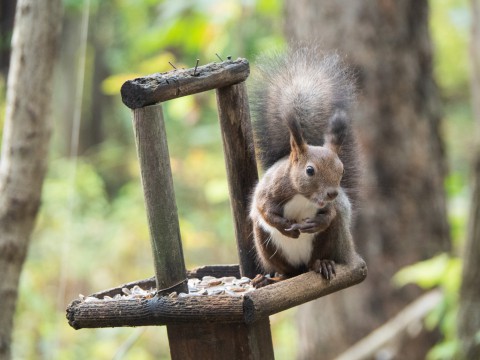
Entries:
{"x":92,"y":233}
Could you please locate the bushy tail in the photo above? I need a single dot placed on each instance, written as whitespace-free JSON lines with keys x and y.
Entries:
{"x":311,"y":86}
{"x":304,"y":83}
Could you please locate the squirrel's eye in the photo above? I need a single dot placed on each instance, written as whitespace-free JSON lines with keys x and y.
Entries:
{"x":310,"y":171}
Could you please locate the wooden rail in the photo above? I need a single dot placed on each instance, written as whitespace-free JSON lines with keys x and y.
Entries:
{"x":161,"y":87}
{"x":249,"y":308}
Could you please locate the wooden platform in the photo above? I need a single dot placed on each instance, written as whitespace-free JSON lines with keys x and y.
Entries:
{"x":165,"y":310}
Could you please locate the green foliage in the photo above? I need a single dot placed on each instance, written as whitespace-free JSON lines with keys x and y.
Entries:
{"x":429,"y":273}
{"x":450,"y":23}
{"x":441,"y":271}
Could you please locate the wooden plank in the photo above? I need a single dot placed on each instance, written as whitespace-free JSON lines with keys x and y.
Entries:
{"x":214,"y":270}
{"x":160,"y":87}
{"x":152,"y":149}
{"x":156,"y":311}
{"x":234,"y":115}
{"x":300,"y":289}
{"x":209,"y":341}
{"x":250,"y":308}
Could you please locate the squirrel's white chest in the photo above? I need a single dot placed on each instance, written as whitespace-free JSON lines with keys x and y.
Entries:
{"x":299,"y":208}
{"x":295,"y":251}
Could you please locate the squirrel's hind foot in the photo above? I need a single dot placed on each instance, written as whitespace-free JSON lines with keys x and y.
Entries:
{"x":262,"y":280}
{"x":324,"y":267}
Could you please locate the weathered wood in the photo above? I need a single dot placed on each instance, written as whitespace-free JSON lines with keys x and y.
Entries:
{"x":150,"y":283}
{"x":152,"y":149}
{"x":219,"y":341}
{"x":252,"y":307}
{"x":156,"y":311}
{"x":159,"y":87}
{"x":241,"y":166}
{"x":300,"y":289}
{"x":214,"y":270}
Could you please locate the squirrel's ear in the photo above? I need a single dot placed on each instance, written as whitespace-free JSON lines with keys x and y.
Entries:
{"x":337,"y":131}
{"x":297,"y":144}
{"x":332,"y":143}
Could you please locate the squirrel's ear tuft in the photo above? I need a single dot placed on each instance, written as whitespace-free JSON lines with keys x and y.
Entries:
{"x":298,"y":147}
{"x":337,"y":131}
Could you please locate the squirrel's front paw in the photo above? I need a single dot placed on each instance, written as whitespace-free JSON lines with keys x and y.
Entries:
{"x":292,"y":231}
{"x":325,"y":267}
{"x":310,"y":226}
{"x":319,"y":223}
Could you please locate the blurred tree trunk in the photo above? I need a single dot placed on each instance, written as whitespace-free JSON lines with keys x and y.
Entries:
{"x":92,"y":132}
{"x":469,"y":315}
{"x":26,"y":135}
{"x":65,"y":80}
{"x":7,"y":14}
{"x":402,"y":217}
{"x":94,"y":103}
{"x":98,"y":104}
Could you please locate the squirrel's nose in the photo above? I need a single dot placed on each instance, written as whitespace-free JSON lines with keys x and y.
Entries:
{"x":332,"y":194}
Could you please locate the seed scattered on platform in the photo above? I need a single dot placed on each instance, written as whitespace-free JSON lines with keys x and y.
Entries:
{"x":126,"y":291}
{"x":207,"y":286}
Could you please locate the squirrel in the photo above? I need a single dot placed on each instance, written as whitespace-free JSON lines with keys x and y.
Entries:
{"x":301,"y":208}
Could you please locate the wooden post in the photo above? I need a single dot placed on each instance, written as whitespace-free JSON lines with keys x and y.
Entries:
{"x":211,"y":341}
{"x":249,"y":341}
{"x":241,"y":166}
{"x":152,"y":149}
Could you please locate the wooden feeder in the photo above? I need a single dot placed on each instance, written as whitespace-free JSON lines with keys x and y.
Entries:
{"x":207,"y":327}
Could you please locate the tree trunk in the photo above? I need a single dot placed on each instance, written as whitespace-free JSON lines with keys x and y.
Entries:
{"x":26,"y":137}
{"x":469,"y":316}
{"x":65,"y":82}
{"x":98,"y":105}
{"x":402,"y":217}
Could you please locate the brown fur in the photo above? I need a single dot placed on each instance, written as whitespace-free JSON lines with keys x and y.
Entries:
{"x":316,"y":174}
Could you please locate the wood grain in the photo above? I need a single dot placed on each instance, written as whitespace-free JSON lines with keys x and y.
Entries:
{"x":300,"y":289}
{"x":152,"y":149}
{"x":156,"y":311}
{"x":221,"y":341}
{"x":252,"y":307}
{"x":160,"y":87}
{"x":234,"y":115}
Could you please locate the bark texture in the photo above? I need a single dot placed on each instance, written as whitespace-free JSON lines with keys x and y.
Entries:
{"x":252,"y":307}
{"x":402,"y":216}
{"x":26,"y":137}
{"x":469,"y":316}
{"x":160,"y":87}
{"x":157,"y":181}
{"x":237,"y":138}
{"x":216,"y":342}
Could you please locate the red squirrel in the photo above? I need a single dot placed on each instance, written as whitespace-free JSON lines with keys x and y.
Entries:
{"x":302,"y":207}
